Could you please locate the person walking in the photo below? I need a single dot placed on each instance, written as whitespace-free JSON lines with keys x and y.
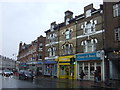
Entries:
{"x":82,"y":74}
{"x":96,"y":76}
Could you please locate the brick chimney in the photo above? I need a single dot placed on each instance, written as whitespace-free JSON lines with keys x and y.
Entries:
{"x":68,"y":15}
{"x":20,"y":46}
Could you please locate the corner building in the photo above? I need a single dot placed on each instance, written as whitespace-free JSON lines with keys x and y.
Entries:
{"x":31,"y":56}
{"x":112,"y":39}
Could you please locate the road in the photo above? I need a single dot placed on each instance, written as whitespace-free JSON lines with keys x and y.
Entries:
{"x":16,"y":83}
{"x":13,"y":82}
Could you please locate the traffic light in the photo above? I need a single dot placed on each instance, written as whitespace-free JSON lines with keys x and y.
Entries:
{"x":72,"y":60}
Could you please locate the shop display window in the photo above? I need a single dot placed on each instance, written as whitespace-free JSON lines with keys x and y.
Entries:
{"x":62,"y":70}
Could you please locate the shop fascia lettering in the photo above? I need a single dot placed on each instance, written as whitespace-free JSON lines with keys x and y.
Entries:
{"x":87,"y":56}
{"x":63,"y":59}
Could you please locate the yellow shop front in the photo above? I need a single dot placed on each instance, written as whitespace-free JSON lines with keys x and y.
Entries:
{"x":65,"y":69}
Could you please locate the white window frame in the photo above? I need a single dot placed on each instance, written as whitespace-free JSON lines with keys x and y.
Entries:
{"x":88,"y":28}
{"x":51,"y":51}
{"x":67,"y":34}
{"x":52,"y":27}
{"x":67,"y":21}
{"x":116,"y":10}
{"x":68,"y":49}
{"x":40,"y":45}
{"x":89,"y":44}
{"x":117,"y":34}
{"x":88,"y":13}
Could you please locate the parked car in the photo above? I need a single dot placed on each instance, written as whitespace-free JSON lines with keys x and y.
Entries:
{"x":7,"y":73}
{"x":11,"y":73}
{"x":23,"y":74}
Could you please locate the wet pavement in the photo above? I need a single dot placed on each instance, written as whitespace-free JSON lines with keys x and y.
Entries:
{"x":68,"y":83}
{"x":48,"y":82}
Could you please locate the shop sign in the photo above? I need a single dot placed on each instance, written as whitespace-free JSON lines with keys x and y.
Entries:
{"x":88,"y":56}
{"x":49,"y":62}
{"x":63,"y":59}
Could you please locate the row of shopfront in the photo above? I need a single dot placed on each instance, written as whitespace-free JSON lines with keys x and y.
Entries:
{"x":60,"y":67}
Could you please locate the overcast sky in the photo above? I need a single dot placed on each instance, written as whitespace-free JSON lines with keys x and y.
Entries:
{"x":25,"y":20}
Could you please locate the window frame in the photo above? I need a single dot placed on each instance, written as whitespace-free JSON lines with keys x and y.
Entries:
{"x":67,"y":35}
{"x":117,"y":31}
{"x":88,"y":28}
{"x":116,"y":10}
{"x":88,"y":13}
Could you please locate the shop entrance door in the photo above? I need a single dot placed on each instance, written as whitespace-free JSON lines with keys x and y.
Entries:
{"x":92,"y":69}
{"x":64,"y":71}
{"x":98,"y":67}
{"x":86,"y":70}
{"x":67,"y":72}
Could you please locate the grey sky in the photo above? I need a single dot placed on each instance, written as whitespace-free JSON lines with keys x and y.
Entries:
{"x":26,"y":20}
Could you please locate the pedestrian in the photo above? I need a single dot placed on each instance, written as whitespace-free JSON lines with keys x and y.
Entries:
{"x":96,"y":76}
{"x":82,"y":74}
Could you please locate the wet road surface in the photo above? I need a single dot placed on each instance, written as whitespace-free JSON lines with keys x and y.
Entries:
{"x":14,"y":82}
{"x":11,"y":82}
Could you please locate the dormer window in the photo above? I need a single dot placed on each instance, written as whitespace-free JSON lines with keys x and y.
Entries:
{"x":52,"y":27}
{"x":88,"y":13}
{"x":67,"y":21}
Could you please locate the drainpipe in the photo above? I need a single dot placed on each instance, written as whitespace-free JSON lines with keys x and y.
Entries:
{"x":103,"y":51}
{"x":76,"y":51}
{"x":58,"y":68}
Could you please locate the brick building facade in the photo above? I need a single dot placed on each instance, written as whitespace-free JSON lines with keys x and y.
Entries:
{"x":31,"y":56}
{"x":112,"y":39}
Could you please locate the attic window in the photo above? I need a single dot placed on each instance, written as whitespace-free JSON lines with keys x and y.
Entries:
{"x":67,"y":21}
{"x":52,"y":27}
{"x":88,"y":13}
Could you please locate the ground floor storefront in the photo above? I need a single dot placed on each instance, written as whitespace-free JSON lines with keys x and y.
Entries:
{"x":113,"y":60}
{"x":114,"y":68}
{"x":89,"y":68}
{"x":89,"y":62}
{"x":65,"y":69}
{"x":35,"y":66}
{"x":50,"y":68}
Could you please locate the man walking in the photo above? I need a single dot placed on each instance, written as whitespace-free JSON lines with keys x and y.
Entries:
{"x":96,"y":76}
{"x":82,"y":74}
